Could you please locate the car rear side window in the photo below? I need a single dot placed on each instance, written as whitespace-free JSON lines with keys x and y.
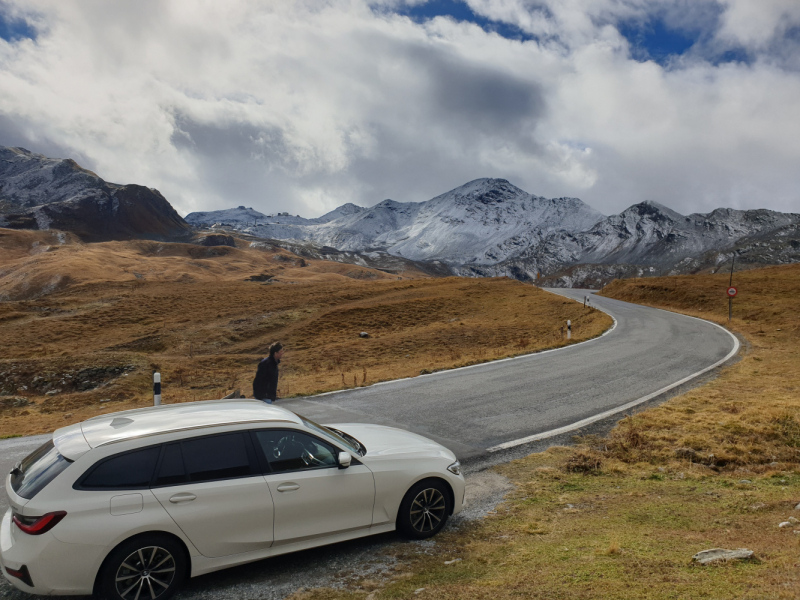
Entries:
{"x":217,"y":457}
{"x":132,"y":470}
{"x":37,"y":470}
{"x":171,"y":471}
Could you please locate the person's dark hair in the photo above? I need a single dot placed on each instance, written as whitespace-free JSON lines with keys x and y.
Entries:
{"x":275,"y":347}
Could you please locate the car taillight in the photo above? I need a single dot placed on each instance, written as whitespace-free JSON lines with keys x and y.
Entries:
{"x":39,"y":525}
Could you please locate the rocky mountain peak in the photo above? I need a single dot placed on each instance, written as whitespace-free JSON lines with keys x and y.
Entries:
{"x":37,"y":192}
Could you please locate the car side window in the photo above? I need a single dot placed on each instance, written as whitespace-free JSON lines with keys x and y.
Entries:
{"x":216,"y":457}
{"x":288,"y":450}
{"x":171,"y":471}
{"x":128,"y":471}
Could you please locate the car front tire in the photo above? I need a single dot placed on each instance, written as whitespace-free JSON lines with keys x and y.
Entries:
{"x":424,"y":509}
{"x":146,"y":567}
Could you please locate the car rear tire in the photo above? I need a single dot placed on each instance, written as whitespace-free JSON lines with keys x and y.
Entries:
{"x":147,"y":567}
{"x":424,"y":509}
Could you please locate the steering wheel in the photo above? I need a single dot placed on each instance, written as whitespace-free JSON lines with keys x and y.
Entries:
{"x":309,"y":459}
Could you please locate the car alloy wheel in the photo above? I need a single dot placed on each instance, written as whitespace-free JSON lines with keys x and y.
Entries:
{"x":427,"y":510}
{"x":424,"y":509}
{"x":146,"y":573}
{"x":145,"y":567}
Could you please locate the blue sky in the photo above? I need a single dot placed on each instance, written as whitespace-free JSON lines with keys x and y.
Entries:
{"x":304,"y":106}
{"x":460,"y":11}
{"x":13,"y":29}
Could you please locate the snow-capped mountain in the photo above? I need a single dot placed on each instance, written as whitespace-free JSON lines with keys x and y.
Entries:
{"x":482,"y":222}
{"x":37,"y":192}
{"x":651,"y":239}
{"x":489,"y":227}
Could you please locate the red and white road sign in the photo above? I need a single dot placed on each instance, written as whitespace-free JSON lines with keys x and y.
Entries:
{"x":731,"y":291}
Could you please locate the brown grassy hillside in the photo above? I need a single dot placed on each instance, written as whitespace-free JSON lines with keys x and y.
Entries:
{"x":90,"y":344}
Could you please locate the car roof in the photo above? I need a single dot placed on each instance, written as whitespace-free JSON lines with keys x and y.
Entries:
{"x":168,"y":418}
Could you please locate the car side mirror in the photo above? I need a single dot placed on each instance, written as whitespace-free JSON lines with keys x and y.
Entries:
{"x":343,"y":460}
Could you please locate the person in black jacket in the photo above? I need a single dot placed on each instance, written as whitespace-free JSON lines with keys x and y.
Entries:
{"x":265,"y":385}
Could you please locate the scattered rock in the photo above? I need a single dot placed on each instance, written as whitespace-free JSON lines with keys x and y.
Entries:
{"x":784,"y":525}
{"x":745,"y":481}
{"x":363,"y":334}
{"x":13,"y":402}
{"x":451,"y":562}
{"x":721,"y":555}
{"x":419,"y":590}
{"x":793,"y":520}
{"x":218,"y":239}
{"x":686,"y":453}
{"x":797,"y":507}
{"x":758,"y":506}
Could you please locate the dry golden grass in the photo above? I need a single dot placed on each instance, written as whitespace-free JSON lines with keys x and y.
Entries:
{"x":91,"y":347}
{"x":749,"y":415}
{"x":621,"y":517}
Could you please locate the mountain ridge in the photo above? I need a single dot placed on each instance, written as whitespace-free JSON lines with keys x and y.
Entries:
{"x":489,"y":227}
{"x":37,"y":192}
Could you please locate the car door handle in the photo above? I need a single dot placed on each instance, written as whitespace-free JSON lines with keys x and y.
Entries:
{"x":183,"y":497}
{"x":288,"y":487}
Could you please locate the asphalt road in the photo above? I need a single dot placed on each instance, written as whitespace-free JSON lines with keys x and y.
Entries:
{"x":473,"y":409}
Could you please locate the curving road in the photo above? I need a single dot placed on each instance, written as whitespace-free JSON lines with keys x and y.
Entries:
{"x":495,"y":405}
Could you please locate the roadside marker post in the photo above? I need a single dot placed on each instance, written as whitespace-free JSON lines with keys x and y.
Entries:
{"x":569,"y":329}
{"x":731,"y":291}
{"x":156,"y":389}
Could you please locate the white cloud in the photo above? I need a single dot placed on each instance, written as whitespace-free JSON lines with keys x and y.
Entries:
{"x":302,"y":106}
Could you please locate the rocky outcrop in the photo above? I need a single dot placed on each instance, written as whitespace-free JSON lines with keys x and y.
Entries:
{"x":43,"y":193}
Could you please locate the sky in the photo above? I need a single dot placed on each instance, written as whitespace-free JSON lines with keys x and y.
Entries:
{"x":304,"y":105}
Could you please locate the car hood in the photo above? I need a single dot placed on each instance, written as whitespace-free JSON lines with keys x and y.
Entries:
{"x":390,"y":441}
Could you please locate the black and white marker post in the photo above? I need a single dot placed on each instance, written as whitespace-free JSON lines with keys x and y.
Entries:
{"x":569,"y":329}
{"x":156,"y":389}
{"x":731,"y":292}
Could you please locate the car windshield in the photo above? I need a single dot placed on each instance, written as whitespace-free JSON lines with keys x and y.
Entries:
{"x":335,"y":435}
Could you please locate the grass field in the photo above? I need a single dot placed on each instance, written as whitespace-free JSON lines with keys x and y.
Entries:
{"x":90,"y":345}
{"x":621,"y":516}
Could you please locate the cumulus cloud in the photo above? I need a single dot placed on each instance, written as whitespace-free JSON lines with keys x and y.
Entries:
{"x":301,"y":106}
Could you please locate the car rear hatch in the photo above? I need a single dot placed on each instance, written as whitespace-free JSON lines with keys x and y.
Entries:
{"x":33,"y":473}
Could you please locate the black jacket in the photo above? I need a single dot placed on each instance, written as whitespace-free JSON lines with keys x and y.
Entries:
{"x":265,"y":385}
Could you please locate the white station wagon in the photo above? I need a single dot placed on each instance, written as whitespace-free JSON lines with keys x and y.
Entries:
{"x":127,"y":505}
